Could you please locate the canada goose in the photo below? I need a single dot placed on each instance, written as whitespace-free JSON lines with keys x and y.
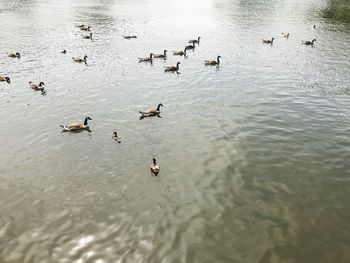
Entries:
{"x":190,"y":46}
{"x":309,"y":42}
{"x":268,"y":41}
{"x":88,"y":37}
{"x":151,"y":112}
{"x":173,"y":68}
{"x":180,"y":53}
{"x":161,"y":55}
{"x":194,"y":41}
{"x":79,"y":60}
{"x":116,"y":137}
{"x":154,"y":167}
{"x":213,"y":62}
{"x":38,"y":87}
{"x":64,"y":51}
{"x":14,"y":55}
{"x":84,"y":28}
{"x":286,"y":35}
{"x":7,"y":79}
{"x":129,"y":37}
{"x":147,"y":59}
{"x":77,"y":126}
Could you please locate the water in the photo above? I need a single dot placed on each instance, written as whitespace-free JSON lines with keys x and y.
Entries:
{"x":253,"y":154}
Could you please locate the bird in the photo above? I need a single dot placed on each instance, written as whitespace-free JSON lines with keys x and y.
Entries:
{"x":64,"y":51}
{"x":194,"y":41}
{"x":77,"y":126}
{"x":213,"y":62}
{"x":286,"y":35}
{"x":116,"y":137}
{"x":4,"y":78}
{"x":88,"y":37}
{"x":129,"y":37}
{"x":79,"y":60}
{"x":190,"y":46}
{"x":151,"y":112}
{"x":154,"y":167}
{"x":84,"y":28}
{"x":80,"y":26}
{"x":38,"y":87}
{"x":180,"y":53}
{"x":14,"y":55}
{"x":268,"y":41}
{"x":147,"y":59}
{"x":173,"y":68}
{"x":309,"y":42}
{"x":161,"y":55}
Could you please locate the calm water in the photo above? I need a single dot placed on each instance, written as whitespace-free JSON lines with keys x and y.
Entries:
{"x":254,"y":155}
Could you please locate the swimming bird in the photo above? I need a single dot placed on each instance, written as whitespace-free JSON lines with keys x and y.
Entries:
{"x":161,"y":55}
{"x":116,"y":137}
{"x":194,"y":41}
{"x":286,"y":35}
{"x":180,"y":53}
{"x":173,"y":68}
{"x":77,"y":126}
{"x":147,"y":59}
{"x":309,"y":42}
{"x":14,"y":55}
{"x":151,"y":112}
{"x":80,"y":26}
{"x":213,"y":62}
{"x":268,"y":41}
{"x":64,"y":51}
{"x":4,"y":78}
{"x":190,"y":46}
{"x":84,"y":28}
{"x":129,"y":37}
{"x":79,"y":60}
{"x":38,"y":87}
{"x":154,"y":167}
{"x":88,"y":37}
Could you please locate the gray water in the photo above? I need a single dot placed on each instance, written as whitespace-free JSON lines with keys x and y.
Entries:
{"x":253,"y":154}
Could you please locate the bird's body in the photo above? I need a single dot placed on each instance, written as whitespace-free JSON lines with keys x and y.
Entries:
{"x":191,"y":46}
{"x":180,"y":53}
{"x":80,"y":60}
{"x":4,"y":78}
{"x":77,"y":126}
{"x":286,"y":35}
{"x":154,"y":167}
{"x":268,"y":41}
{"x":151,"y":112}
{"x":84,"y":28}
{"x":309,"y":42}
{"x":161,"y":55}
{"x":194,"y":41}
{"x":129,"y":37}
{"x":213,"y":62}
{"x":147,"y":59}
{"x":173,"y":68}
{"x":37,"y":86}
{"x":88,"y":36}
{"x":116,"y":137}
{"x":14,"y":55}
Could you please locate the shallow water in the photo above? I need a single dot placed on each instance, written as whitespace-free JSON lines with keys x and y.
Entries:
{"x":253,"y":154}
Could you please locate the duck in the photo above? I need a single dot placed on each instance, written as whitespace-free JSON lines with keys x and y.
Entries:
{"x":173,"y":68}
{"x":190,"y":46}
{"x":84,"y":28}
{"x":14,"y":55}
{"x":77,"y":126}
{"x":154,"y":167}
{"x":116,"y":137}
{"x":180,"y":53}
{"x":147,"y":59}
{"x":88,"y":37}
{"x":268,"y":41}
{"x":129,"y":37}
{"x":38,"y":87}
{"x":309,"y":42}
{"x":286,"y":35}
{"x":64,"y":51}
{"x":151,"y":112}
{"x":213,"y":62}
{"x":161,"y":55}
{"x":4,"y":78}
{"x":194,"y":41}
{"x":79,"y":60}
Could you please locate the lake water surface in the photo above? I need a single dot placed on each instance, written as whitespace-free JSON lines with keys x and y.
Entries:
{"x":254,"y":154}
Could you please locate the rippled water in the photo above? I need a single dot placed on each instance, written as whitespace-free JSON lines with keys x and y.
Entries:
{"x":253,"y":154}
